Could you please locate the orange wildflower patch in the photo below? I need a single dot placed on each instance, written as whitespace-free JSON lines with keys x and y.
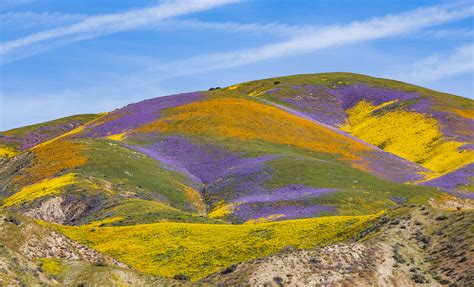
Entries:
{"x":249,"y":120}
{"x":52,"y":158}
{"x":468,"y":114}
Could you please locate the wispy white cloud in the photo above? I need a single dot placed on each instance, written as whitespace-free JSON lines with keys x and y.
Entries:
{"x":99,"y":25}
{"x":22,"y":20}
{"x":327,"y":37}
{"x":447,"y":33}
{"x":19,"y":20}
{"x":436,"y":67}
{"x":273,"y":28}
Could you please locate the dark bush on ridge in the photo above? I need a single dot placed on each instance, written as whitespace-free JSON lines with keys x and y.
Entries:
{"x":12,"y":219}
{"x":183,"y":277}
{"x":278,"y":280}
{"x":418,"y":278}
{"x":100,"y":263}
{"x":441,"y":217}
{"x":229,"y":269}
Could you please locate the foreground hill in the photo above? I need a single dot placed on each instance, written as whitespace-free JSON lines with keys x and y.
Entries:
{"x":170,"y":177}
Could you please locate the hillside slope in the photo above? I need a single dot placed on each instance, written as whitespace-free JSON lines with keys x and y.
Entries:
{"x":418,"y":124}
{"x":279,"y":148}
{"x":187,"y":168}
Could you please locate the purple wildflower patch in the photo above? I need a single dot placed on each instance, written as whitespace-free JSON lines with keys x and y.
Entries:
{"x":246,"y":212}
{"x":451,"y":181}
{"x":138,"y":114}
{"x":350,"y":95}
{"x":38,"y":135}
{"x":393,"y":168}
{"x":206,"y":162}
{"x":398,"y":200}
{"x":288,"y":193}
{"x":272,"y":91}
{"x":318,"y":104}
{"x":456,"y":127}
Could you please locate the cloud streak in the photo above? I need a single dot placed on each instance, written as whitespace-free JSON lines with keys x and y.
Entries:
{"x":24,"y":20}
{"x":99,"y":25}
{"x":273,"y":28}
{"x":327,"y":37}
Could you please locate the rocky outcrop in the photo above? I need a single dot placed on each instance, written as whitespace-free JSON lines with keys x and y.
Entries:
{"x":59,"y":210}
{"x":55,"y":245}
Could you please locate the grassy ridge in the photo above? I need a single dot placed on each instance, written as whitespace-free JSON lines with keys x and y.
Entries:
{"x":196,"y":250}
{"x":334,"y":80}
{"x":16,"y":140}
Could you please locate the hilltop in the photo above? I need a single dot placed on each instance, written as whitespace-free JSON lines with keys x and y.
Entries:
{"x":188,"y":184}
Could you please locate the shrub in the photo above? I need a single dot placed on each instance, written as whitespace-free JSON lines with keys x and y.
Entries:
{"x":100,"y":263}
{"x":424,"y":239}
{"x":229,"y":269}
{"x":315,"y":261}
{"x":441,"y":217}
{"x":384,"y":220}
{"x":181,"y":276}
{"x":278,"y":280}
{"x":463,"y":259}
{"x":288,"y":248}
{"x":395,"y":222}
{"x":397,"y":255}
{"x":418,"y":278}
{"x":13,"y":220}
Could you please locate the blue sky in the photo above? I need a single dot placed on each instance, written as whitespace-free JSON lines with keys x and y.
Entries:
{"x":60,"y":58}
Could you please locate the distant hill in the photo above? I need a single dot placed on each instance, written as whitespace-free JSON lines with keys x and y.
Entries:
{"x":279,"y":149}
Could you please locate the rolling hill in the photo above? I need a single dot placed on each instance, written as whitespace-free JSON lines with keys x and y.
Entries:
{"x":185,"y":185}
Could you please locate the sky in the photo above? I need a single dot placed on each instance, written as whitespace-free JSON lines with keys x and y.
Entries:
{"x":60,"y":58}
